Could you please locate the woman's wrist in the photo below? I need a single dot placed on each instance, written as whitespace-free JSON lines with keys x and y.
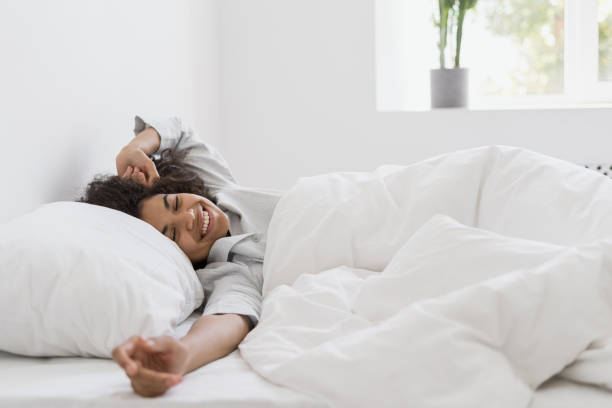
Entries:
{"x":196,"y":355}
{"x":148,"y":141}
{"x":189,"y":361}
{"x":125,"y":153}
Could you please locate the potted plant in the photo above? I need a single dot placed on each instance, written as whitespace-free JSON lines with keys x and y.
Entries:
{"x":449,"y":86}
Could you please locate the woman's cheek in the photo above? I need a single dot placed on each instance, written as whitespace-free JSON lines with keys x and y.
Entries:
{"x":184,"y":247}
{"x":190,"y":249}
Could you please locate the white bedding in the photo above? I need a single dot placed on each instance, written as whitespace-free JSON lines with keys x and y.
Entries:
{"x":354,"y":315}
{"x":124,"y":277}
{"x":89,"y":382}
{"x":559,"y":393}
{"x":381,"y":300}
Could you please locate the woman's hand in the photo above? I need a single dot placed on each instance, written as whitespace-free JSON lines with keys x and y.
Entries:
{"x":133,"y":163}
{"x":153,"y":365}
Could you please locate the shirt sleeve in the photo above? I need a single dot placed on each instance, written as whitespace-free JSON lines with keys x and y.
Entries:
{"x":202,"y":157}
{"x":230,"y":287}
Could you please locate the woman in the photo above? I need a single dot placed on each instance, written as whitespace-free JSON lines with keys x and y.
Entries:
{"x":188,"y":193}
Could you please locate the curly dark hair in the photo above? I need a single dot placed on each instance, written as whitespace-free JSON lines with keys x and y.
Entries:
{"x":125,"y":195}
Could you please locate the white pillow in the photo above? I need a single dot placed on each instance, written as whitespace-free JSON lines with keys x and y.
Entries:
{"x":79,"y":279}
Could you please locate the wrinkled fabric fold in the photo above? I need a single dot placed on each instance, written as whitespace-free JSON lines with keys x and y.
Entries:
{"x":405,"y":307}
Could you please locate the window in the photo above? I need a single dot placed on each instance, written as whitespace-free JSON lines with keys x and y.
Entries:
{"x":519,"y":52}
{"x":604,"y":18}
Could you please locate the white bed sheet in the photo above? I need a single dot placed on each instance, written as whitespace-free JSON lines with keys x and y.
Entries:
{"x":90,"y":382}
{"x":229,"y":382}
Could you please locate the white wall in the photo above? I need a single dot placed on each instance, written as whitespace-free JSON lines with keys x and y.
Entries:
{"x":299,"y":92}
{"x":72,"y":75}
{"x":285,"y":88}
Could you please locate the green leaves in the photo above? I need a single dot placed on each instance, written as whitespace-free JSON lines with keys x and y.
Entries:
{"x":445,"y":7}
{"x":455,"y":10}
{"x":467,"y":4}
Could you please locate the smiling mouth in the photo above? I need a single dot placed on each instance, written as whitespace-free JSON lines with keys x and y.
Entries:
{"x":204,"y":222}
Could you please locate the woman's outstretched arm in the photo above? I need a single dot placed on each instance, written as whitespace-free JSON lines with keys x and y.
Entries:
{"x":214,"y":336}
{"x":156,"y":364}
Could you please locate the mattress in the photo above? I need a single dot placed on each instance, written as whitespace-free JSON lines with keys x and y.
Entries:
{"x":92,"y":382}
{"x":228,"y":382}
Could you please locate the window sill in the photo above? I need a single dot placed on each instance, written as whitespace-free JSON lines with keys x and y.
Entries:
{"x":509,"y":107}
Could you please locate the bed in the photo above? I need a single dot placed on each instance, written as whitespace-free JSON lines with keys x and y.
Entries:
{"x":93,"y":382}
{"x":229,"y":382}
{"x":361,"y":290}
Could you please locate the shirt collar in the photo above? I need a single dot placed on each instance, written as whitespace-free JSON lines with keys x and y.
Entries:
{"x":220,"y":249}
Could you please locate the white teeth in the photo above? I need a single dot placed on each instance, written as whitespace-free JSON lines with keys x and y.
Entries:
{"x":206,"y":221}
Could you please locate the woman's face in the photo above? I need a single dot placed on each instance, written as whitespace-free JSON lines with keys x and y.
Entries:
{"x":181,"y":217}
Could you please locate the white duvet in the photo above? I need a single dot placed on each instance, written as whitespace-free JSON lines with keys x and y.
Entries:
{"x":466,"y":280}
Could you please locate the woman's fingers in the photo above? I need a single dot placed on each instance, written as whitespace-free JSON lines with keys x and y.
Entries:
{"x":137,"y":176}
{"x":161,"y":344}
{"x":150,"y":383}
{"x":152,"y":377}
{"x":145,"y":174}
{"x":145,"y":391}
{"x":134,"y":173}
{"x":147,"y":387}
{"x":128,"y":172}
{"x":145,"y":381}
{"x":151,"y":171}
{"x":123,"y":353}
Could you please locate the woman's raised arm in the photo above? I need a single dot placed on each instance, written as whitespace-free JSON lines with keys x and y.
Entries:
{"x":148,"y":141}
{"x":133,"y":159}
{"x":201,"y":156}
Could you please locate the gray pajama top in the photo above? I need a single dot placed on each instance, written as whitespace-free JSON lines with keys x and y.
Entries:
{"x":233,"y":276}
